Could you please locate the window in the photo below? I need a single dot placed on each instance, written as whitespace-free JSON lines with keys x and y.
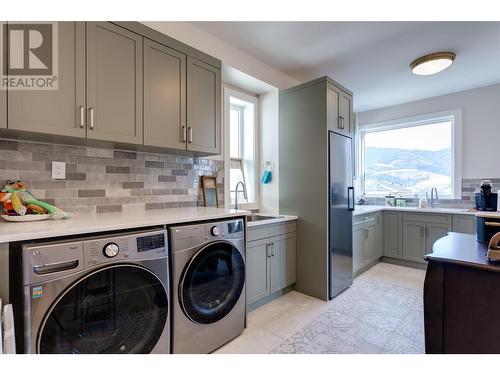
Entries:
{"x":241,"y":147}
{"x":409,"y":157}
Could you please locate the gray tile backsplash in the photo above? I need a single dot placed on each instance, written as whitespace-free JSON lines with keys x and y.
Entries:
{"x":107,"y":180}
{"x":469,"y":186}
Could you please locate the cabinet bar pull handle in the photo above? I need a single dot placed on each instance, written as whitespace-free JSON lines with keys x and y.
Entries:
{"x":91,"y":118}
{"x":183,"y":133}
{"x":492,"y":224}
{"x":82,"y":116}
{"x":272,"y":249}
{"x":268,"y":253}
{"x":190,"y":134}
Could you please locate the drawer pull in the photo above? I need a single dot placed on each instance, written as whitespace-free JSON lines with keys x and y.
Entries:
{"x":55,"y":267}
{"x":492,"y":224}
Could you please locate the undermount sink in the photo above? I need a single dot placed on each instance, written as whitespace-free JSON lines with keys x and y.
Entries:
{"x":256,"y":217}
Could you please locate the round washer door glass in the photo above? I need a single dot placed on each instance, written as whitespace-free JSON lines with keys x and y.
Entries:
{"x":212,"y":283}
{"x":119,"y":309}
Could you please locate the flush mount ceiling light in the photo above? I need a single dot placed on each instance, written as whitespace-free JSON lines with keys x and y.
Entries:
{"x":432,"y":63}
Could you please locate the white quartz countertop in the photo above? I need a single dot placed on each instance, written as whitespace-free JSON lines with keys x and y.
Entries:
{"x":96,"y":223}
{"x":363,"y":210}
{"x":276,"y":220}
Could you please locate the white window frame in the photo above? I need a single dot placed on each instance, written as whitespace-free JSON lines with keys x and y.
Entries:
{"x":228,"y":93}
{"x":454,"y":115}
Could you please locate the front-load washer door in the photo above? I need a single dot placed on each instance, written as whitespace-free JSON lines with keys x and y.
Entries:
{"x":212,"y":283}
{"x":117,"y":309}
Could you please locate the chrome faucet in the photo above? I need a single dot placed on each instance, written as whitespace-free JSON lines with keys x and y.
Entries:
{"x":236,"y":204}
{"x":434,"y":198}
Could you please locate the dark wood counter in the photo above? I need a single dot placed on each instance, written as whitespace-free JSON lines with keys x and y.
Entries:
{"x":461,"y":297}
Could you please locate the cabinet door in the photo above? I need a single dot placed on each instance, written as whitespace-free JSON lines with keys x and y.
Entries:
{"x":61,"y":111}
{"x":370,"y":243}
{"x":333,"y":110}
{"x":434,"y":233}
{"x":392,"y":234}
{"x":357,"y":248}
{"x":346,"y":119}
{"x":258,"y":283}
{"x":464,"y":224}
{"x":114,"y":83}
{"x":413,"y":241}
{"x":164,"y":96}
{"x":203,"y":107}
{"x":377,"y":251}
{"x":283,"y":262}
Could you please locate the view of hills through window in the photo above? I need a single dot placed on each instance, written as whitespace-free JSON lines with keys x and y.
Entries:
{"x":408,"y":160}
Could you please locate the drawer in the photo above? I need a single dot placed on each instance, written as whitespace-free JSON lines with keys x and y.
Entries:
{"x":271,"y":230}
{"x":367,"y":220}
{"x":428,"y":218}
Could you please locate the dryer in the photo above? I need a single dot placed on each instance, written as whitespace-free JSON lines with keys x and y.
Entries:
{"x":208,"y":277}
{"x":101,"y":294}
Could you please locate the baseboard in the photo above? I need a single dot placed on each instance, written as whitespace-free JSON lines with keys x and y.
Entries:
{"x":270,"y":298}
{"x":363,"y":269}
{"x":406,"y":263}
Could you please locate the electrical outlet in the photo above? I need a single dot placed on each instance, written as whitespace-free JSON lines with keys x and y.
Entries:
{"x":58,"y":170}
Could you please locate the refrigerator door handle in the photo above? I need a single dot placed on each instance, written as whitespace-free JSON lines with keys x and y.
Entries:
{"x":350,"y":198}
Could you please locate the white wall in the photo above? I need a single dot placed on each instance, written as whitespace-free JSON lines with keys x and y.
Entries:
{"x":195,"y":37}
{"x":480,"y":125}
{"x":269,"y":144}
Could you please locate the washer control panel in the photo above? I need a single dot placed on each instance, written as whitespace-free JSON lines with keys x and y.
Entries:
{"x":111,"y":250}
{"x":140,"y":245}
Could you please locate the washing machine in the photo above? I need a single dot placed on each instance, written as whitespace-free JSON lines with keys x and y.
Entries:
{"x":208,"y":277}
{"x":101,"y":294}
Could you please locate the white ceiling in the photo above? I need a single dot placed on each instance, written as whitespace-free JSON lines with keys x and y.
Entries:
{"x":372,"y":58}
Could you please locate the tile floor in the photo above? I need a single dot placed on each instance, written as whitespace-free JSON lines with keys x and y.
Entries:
{"x":380,"y":313}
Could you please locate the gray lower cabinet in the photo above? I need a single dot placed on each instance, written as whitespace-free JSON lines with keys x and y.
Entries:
{"x":270,"y":260}
{"x":258,"y":283}
{"x":464,"y":224}
{"x":413,"y":241}
{"x":392,"y":241}
{"x":420,"y":231}
{"x":164,"y":96}
{"x":61,"y":111}
{"x":114,"y":83}
{"x":283,"y":262}
{"x":203,"y":103}
{"x":367,"y":240}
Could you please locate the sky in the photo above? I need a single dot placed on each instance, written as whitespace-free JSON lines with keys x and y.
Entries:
{"x":430,"y":137}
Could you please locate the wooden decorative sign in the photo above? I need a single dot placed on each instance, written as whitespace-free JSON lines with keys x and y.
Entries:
{"x":209,"y":187}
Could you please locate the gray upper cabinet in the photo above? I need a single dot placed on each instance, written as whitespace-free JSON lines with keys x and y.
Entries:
{"x":333,"y":99}
{"x":392,"y":234}
{"x":114,"y":83}
{"x":258,"y":283}
{"x":203,"y":107}
{"x":283,"y":262}
{"x":61,"y":111}
{"x":414,"y":241}
{"x":345,"y":116}
{"x":164,"y":96}
{"x":340,"y":118}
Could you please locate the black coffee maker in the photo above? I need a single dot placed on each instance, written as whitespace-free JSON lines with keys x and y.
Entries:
{"x":486,"y":198}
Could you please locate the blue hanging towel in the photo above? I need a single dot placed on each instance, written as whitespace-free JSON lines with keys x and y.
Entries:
{"x":267,"y":176}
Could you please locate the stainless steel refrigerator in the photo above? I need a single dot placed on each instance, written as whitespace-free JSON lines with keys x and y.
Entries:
{"x":341,"y":205}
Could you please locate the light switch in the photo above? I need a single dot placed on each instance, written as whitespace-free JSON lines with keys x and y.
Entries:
{"x":58,"y":170}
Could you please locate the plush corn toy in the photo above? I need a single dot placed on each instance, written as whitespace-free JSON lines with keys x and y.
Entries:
{"x":19,"y":201}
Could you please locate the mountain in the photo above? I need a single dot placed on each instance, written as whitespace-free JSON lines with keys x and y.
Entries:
{"x":413,"y":169}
